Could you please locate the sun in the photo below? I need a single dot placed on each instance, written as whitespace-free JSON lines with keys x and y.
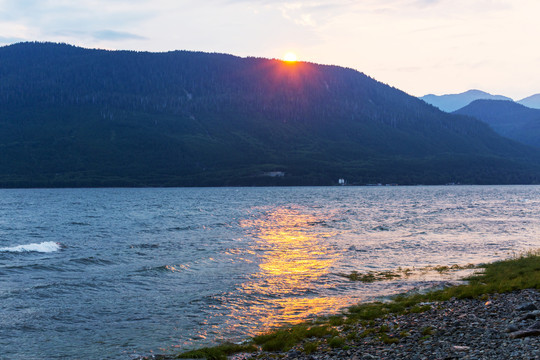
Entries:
{"x":290,"y":57}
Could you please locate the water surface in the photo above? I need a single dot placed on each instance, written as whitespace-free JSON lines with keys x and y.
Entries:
{"x":115,"y":273}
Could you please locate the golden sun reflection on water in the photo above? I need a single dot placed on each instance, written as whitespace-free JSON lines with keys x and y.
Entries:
{"x":294,"y":260}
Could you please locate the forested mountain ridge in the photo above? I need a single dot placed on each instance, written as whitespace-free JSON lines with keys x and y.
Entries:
{"x":77,"y":117}
{"x":507,"y":118}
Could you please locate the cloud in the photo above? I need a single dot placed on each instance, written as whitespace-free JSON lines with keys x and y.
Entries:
{"x":46,"y":18}
{"x":424,"y":3}
{"x":301,"y":12}
{"x":116,"y":35}
{"x":313,"y":13}
{"x":10,"y":40}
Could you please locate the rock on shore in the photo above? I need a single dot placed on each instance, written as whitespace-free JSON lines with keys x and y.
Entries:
{"x":501,"y":326}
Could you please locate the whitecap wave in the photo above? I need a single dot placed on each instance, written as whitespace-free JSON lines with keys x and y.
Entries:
{"x":44,"y":247}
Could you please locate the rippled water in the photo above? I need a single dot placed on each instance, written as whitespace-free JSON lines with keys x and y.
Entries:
{"x":115,"y":273}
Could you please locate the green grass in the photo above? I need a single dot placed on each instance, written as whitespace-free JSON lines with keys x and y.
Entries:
{"x":336,"y":342}
{"x":217,"y":352}
{"x":285,"y":339}
{"x":335,"y":320}
{"x":428,"y":330}
{"x":522,"y":272}
{"x":388,"y":339}
{"x":311,"y":347}
{"x":372,"y":276}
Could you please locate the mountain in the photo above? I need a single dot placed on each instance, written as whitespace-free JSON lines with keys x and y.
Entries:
{"x":507,"y":118}
{"x":78,"y":117}
{"x":532,"y":101}
{"x":454,"y":102}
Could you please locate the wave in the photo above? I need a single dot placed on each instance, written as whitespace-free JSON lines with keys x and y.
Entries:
{"x":166,"y":268}
{"x":144,"y":246}
{"x":44,"y":247}
{"x":90,"y":260}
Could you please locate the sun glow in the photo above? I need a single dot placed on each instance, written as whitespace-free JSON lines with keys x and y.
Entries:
{"x":290,"y":57}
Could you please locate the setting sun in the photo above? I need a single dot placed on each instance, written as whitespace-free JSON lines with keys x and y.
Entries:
{"x":290,"y":56}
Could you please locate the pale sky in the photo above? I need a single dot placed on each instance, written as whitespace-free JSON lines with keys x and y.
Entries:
{"x":418,"y":46}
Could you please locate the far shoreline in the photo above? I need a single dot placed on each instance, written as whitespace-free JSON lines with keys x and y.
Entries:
{"x":256,"y":186}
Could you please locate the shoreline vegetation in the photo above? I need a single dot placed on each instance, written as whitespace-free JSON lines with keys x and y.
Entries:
{"x":373,"y":276}
{"x":485,"y":318}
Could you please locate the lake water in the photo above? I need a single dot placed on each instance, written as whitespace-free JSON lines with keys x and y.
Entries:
{"x":116,"y":273}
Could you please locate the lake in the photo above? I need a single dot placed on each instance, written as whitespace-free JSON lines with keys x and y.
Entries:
{"x":119,"y":273}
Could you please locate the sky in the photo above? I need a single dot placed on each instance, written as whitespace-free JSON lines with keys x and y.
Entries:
{"x":418,"y":46}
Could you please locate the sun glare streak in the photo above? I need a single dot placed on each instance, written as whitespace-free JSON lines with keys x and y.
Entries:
{"x":294,"y":258}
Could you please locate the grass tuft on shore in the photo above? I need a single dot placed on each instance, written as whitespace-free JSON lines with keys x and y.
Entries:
{"x":520,"y":272}
{"x":285,"y":339}
{"x":373,"y":276}
{"x":219,"y":352}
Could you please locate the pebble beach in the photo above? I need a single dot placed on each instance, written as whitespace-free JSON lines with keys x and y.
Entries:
{"x":501,"y":326}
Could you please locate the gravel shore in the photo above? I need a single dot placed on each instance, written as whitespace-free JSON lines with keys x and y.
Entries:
{"x":500,"y":326}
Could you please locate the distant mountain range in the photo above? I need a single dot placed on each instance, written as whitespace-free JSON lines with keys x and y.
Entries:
{"x":453,"y":102}
{"x":507,"y":118}
{"x":532,"y":101}
{"x":77,"y":117}
{"x":519,"y":120}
